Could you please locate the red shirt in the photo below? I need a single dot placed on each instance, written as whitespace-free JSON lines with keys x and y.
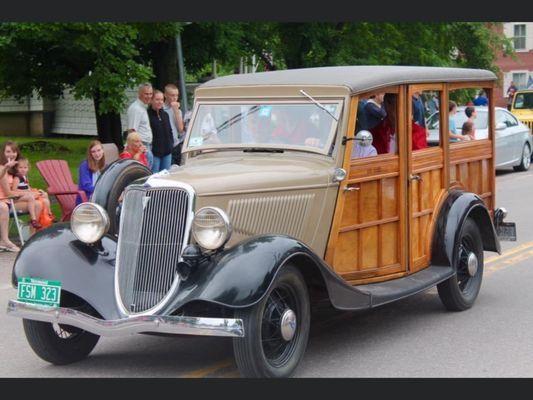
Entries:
{"x":419,"y":137}
{"x":142,"y":158}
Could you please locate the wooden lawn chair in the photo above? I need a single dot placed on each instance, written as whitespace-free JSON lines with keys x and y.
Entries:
{"x":57,"y":175}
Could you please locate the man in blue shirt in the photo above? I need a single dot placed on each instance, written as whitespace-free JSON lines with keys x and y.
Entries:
{"x":481,"y":99}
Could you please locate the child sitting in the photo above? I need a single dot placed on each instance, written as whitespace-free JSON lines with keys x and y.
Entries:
{"x":21,"y":185}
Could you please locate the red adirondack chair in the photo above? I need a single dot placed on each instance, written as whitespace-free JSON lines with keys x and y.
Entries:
{"x":57,"y":175}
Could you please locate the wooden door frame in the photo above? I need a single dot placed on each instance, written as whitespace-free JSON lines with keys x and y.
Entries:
{"x":442,"y":88}
{"x":348,"y":163}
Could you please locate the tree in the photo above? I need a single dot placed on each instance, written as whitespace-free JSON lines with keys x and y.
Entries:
{"x":157,"y":44}
{"x":300,"y":45}
{"x":95,"y":60}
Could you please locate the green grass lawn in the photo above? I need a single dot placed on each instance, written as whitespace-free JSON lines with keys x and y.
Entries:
{"x":71,"y":150}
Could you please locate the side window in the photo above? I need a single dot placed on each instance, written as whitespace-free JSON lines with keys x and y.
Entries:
{"x":376,"y":126}
{"x":468,"y":115}
{"x":425,"y":121}
{"x":510,"y":120}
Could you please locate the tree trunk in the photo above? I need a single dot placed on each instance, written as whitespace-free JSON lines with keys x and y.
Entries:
{"x":108,"y":125}
{"x":165,"y":62}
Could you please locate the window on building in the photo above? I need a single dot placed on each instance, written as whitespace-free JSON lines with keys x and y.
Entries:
{"x":519,"y":38}
{"x":520,"y":79}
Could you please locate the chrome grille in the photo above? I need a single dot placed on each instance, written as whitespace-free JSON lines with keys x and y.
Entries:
{"x":152,"y":234}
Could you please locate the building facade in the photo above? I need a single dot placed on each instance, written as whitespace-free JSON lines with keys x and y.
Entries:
{"x":518,"y":69}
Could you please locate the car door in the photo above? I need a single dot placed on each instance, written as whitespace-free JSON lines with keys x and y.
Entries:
{"x":427,"y":174}
{"x":517,"y":136}
{"x":504,"y":152}
{"x":368,"y":237}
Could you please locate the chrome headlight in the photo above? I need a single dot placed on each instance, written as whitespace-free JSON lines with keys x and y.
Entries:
{"x":211,"y":228}
{"x":89,"y":222}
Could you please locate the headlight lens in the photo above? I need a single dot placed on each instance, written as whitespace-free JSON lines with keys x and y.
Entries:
{"x":89,"y":222}
{"x":211,"y":228}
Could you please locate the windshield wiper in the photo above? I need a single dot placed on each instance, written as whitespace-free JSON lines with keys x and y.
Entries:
{"x":318,"y":104}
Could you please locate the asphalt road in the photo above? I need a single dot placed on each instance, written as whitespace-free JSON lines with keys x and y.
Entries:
{"x":414,"y":337}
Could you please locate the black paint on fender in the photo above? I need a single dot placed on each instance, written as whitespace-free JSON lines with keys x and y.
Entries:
{"x":240,"y":276}
{"x":457,"y":207}
{"x":83,"y":270}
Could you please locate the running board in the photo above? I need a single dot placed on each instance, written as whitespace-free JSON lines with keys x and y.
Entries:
{"x":396,"y":289}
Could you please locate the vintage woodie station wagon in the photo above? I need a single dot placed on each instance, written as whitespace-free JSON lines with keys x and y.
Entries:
{"x":290,"y":194}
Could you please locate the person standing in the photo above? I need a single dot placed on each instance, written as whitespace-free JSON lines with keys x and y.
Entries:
{"x":172,"y":108}
{"x":481,"y":99}
{"x":138,"y":118}
{"x":510,"y":95}
{"x":471,"y":114}
{"x":452,"y":126}
{"x":163,"y":140}
{"x":418,"y":110}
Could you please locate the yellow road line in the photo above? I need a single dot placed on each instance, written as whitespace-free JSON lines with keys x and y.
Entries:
{"x":203,"y":372}
{"x":510,"y":252}
{"x":509,"y":262}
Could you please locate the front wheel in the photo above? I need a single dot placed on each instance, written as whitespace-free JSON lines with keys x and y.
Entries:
{"x":459,"y":292}
{"x":276,"y":329}
{"x":59,"y":344}
{"x":525,"y":162}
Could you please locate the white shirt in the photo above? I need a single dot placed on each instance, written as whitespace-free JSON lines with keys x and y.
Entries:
{"x":363,"y":151}
{"x":138,"y":120}
{"x":178,"y":137}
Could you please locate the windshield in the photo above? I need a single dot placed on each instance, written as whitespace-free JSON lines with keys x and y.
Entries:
{"x":460,"y":118}
{"x":264,"y":125}
{"x":523,"y":101}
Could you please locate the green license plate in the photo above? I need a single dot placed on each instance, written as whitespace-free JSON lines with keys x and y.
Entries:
{"x":39,"y":291}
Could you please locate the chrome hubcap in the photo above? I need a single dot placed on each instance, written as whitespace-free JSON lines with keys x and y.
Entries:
{"x":288,"y":324}
{"x":472,"y":264}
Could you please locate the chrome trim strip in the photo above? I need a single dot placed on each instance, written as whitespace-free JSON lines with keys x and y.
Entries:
{"x":155,"y":181}
{"x":227,"y":327}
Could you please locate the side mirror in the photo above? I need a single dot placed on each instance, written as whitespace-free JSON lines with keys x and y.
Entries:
{"x":500,"y":126}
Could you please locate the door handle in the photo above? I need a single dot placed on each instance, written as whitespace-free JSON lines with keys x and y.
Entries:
{"x":415,"y":177}
{"x":351,"y":188}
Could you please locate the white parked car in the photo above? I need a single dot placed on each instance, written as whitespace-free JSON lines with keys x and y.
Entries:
{"x":513,"y":141}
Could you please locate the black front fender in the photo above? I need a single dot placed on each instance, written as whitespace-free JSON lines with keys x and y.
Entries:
{"x":83,"y":270}
{"x":240,"y":276}
{"x":456,"y":209}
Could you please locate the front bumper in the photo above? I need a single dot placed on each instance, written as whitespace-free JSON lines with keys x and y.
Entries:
{"x":227,"y":327}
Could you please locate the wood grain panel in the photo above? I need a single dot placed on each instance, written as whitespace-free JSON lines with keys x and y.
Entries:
{"x":350,"y":215}
{"x":368,"y":241}
{"x":373,"y":275}
{"x":345,"y":251}
{"x":389,"y":249}
{"x":364,"y":169}
{"x":389,"y":198}
{"x":368,"y":201}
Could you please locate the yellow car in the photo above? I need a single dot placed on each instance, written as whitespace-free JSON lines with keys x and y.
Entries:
{"x":522,"y":107}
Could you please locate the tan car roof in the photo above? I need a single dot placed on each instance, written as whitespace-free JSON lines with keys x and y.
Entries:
{"x":361,"y":78}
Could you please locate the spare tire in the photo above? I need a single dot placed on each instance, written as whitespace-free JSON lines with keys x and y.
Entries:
{"x":112,"y":183}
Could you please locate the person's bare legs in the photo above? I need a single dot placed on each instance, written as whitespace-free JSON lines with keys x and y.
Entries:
{"x":27,"y":203}
{"x":4,"y":228}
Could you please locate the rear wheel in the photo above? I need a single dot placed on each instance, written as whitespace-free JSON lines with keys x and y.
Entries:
{"x":59,"y":344}
{"x":459,"y":292}
{"x":276,"y":329}
{"x":525,"y":162}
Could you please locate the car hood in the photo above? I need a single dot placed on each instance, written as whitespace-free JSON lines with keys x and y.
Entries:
{"x":219,"y":173}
